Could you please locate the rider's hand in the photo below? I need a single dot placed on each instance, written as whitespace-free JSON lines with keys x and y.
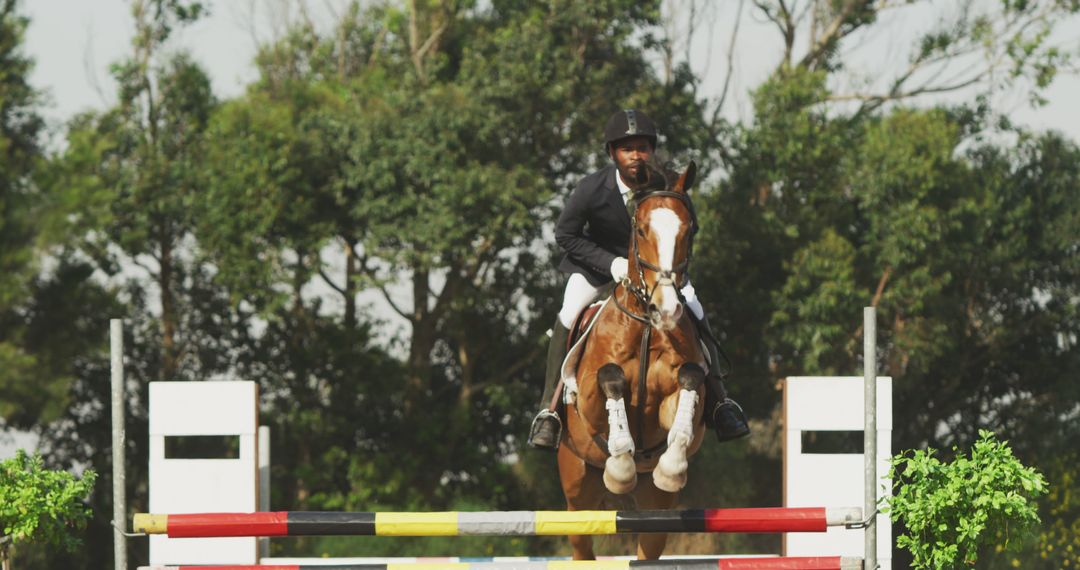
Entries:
{"x":618,"y":269}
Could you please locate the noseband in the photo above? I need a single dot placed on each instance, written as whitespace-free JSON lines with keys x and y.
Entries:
{"x":640,"y":289}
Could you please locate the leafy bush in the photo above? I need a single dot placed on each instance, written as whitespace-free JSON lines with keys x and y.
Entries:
{"x":40,"y":505}
{"x":1059,"y":537}
{"x":952,"y":509}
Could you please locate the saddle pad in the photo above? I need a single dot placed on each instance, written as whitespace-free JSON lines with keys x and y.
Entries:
{"x":568,"y":372}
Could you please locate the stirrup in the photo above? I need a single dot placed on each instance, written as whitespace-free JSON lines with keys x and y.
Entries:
{"x":539,"y":436}
{"x":738,"y":428}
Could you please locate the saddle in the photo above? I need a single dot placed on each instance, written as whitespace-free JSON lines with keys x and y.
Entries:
{"x":581,"y":324}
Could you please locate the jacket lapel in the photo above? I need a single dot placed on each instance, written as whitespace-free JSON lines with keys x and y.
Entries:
{"x":614,"y":197}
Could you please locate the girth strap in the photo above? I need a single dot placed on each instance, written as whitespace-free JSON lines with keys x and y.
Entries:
{"x":643,"y":385}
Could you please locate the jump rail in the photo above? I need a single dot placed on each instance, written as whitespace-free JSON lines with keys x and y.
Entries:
{"x":794,"y":563}
{"x":500,"y":523}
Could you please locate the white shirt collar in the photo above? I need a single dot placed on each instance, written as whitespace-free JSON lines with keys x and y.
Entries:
{"x":624,"y":189}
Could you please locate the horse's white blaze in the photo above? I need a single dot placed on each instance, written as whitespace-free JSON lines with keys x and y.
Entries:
{"x":665,"y":225}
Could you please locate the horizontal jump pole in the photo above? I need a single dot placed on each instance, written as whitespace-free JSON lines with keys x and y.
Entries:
{"x":497,"y":523}
{"x":763,"y":563}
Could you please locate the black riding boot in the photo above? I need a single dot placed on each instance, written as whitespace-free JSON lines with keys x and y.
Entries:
{"x":546,"y":426}
{"x":724,"y":415}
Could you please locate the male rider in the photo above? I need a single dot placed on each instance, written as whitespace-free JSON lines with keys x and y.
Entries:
{"x":594,"y":232}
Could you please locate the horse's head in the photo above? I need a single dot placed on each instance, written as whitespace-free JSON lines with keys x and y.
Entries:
{"x":662,"y":242}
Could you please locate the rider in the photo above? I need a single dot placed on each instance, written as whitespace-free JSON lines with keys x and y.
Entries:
{"x":594,"y":232}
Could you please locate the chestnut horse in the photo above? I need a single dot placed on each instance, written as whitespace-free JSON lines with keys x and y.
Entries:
{"x":623,"y":422}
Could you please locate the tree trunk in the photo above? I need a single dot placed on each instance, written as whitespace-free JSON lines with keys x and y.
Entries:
{"x":350,"y":285}
{"x":303,"y":493}
{"x":422,"y":341}
{"x":468,"y":372}
{"x":168,"y":311}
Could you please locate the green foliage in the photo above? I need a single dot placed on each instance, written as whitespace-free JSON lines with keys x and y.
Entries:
{"x":952,"y":509}
{"x":19,"y":129}
{"x":35,"y":349}
{"x":1059,"y":535}
{"x":433,"y":175}
{"x":40,"y":505}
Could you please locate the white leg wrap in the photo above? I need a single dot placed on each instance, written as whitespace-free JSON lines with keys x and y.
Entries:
{"x":683,"y":424}
{"x":670,"y":472}
{"x":619,"y":438}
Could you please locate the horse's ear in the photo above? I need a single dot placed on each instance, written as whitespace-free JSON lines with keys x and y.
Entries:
{"x":686,"y":179}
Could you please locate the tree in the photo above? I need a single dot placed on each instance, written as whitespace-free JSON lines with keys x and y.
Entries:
{"x":459,"y":124}
{"x":20,"y":154}
{"x":134,"y":166}
{"x":126,"y":184}
{"x":947,"y":219}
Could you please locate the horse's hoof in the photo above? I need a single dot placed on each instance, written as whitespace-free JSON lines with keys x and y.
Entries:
{"x":670,"y":472}
{"x":619,"y":487}
{"x":670,"y":484}
{"x":620,"y":474}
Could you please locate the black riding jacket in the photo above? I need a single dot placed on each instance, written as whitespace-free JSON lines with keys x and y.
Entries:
{"x":594,"y":227}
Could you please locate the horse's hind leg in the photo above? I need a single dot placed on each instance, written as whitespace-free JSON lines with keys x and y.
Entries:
{"x":670,"y":472}
{"x":584,"y":491}
{"x":620,"y":472}
{"x":649,"y":497}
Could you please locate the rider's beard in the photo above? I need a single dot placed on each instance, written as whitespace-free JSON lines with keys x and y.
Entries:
{"x":637,"y":176}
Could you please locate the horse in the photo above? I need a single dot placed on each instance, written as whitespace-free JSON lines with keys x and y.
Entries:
{"x":640,"y":377}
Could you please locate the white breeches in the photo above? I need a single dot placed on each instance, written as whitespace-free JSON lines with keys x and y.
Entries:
{"x":579,"y":294}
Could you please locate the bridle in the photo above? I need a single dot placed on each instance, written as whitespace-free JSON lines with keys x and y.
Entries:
{"x":675,"y":277}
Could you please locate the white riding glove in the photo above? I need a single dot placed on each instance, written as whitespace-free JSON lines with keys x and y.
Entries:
{"x":619,"y":269}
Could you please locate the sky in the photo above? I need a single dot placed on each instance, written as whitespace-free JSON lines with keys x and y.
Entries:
{"x":73,"y":42}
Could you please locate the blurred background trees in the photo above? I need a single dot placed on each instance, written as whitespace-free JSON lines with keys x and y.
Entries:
{"x":366,"y":233}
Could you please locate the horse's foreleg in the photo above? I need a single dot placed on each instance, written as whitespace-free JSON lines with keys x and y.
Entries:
{"x":620,"y":473}
{"x":670,"y":472}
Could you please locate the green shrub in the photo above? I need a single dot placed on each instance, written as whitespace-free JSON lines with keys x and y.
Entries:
{"x":40,"y":505}
{"x":951,"y":510}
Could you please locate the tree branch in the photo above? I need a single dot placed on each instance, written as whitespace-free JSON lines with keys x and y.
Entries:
{"x":832,"y":33}
{"x":730,"y":62}
{"x":376,"y":48}
{"x":881,"y":286}
{"x":370,"y":273}
{"x":326,"y":278}
{"x":432,"y":41}
{"x":769,"y":15}
{"x":421,"y":51}
{"x":393,"y":305}
{"x":873,"y":302}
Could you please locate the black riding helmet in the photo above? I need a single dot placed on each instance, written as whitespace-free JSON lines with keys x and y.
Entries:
{"x":629,"y":123}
